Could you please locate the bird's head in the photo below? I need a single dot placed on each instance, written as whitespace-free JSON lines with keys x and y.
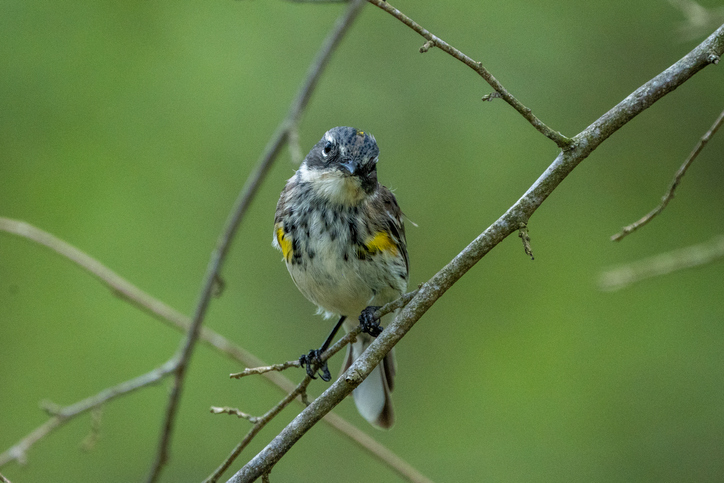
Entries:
{"x":342,"y":166}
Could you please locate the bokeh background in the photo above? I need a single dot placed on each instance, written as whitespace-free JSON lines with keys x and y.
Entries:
{"x":128,"y":128}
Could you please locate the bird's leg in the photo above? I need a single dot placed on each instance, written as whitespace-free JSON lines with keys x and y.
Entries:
{"x":312,"y":360}
{"x":368,"y":323}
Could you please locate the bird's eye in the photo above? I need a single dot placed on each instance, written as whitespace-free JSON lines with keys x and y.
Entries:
{"x":327,"y":148}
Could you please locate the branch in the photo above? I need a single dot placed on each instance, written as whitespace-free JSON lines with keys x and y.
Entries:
{"x":349,"y":336}
{"x":674,"y":184}
{"x":62,"y":415}
{"x":706,"y":53}
{"x":237,"y":214}
{"x":259,"y":424}
{"x":403,"y":468}
{"x":663,"y":264}
{"x":435,"y":41}
{"x":129,"y":292}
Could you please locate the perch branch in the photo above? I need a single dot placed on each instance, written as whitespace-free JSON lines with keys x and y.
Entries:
{"x":567,"y":160}
{"x":674,"y":184}
{"x":434,"y":41}
{"x":379,"y":313}
{"x":129,"y":292}
{"x":403,"y":468}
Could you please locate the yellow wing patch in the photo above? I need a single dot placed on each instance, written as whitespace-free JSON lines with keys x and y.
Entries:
{"x":285,"y":243}
{"x":382,"y":242}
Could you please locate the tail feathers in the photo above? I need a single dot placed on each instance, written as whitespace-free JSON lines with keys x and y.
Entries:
{"x":372,"y":397}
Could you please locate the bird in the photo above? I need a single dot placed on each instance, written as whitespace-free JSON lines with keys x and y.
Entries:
{"x":342,"y":238}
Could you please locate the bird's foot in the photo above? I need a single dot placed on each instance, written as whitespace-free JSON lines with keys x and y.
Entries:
{"x":313,"y":363}
{"x":368,"y":323}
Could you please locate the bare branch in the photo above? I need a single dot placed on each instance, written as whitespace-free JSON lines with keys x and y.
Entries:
{"x":300,"y":391}
{"x":61,"y":415}
{"x":236,"y":215}
{"x":508,"y":223}
{"x":181,"y":322}
{"x":381,"y":312}
{"x":693,"y":256}
{"x":674,"y":184}
{"x":434,"y":41}
{"x":259,"y":423}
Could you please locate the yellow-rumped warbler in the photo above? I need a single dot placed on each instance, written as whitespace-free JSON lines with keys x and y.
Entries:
{"x":343,"y":241}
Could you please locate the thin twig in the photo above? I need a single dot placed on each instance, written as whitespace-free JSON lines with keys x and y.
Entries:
{"x":434,"y":41}
{"x":234,"y":412}
{"x":525,"y":237}
{"x":252,"y":371}
{"x":508,"y":223}
{"x":674,"y":184}
{"x":61,"y":415}
{"x":693,"y":256}
{"x":89,"y":442}
{"x":236,"y":215}
{"x":258,"y":426}
{"x":181,"y":322}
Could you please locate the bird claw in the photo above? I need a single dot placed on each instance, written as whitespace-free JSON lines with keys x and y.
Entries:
{"x":313,"y":363}
{"x":368,"y":323}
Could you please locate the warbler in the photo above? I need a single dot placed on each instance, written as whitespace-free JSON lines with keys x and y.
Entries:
{"x":343,"y":240}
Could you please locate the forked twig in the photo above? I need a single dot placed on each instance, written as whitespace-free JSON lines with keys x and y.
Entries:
{"x":669,"y":195}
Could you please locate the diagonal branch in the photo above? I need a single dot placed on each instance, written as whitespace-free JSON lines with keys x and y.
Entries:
{"x":405,"y":470}
{"x":237,"y":213}
{"x":435,"y":41}
{"x":125,"y":289}
{"x":674,"y":184}
{"x":706,"y":53}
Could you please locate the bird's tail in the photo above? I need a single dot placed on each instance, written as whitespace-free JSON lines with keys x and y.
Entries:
{"x":372,"y":397}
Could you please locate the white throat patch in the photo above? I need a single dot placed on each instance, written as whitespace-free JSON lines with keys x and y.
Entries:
{"x":333,"y":185}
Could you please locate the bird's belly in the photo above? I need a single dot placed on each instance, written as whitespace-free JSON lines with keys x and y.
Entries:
{"x":336,"y":286}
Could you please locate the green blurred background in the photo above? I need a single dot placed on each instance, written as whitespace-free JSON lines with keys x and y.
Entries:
{"x":128,"y":128}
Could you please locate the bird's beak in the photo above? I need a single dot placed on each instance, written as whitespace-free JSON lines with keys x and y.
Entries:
{"x":351,"y":166}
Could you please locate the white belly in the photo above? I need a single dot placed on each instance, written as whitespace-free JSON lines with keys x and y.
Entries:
{"x":342,"y":287}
